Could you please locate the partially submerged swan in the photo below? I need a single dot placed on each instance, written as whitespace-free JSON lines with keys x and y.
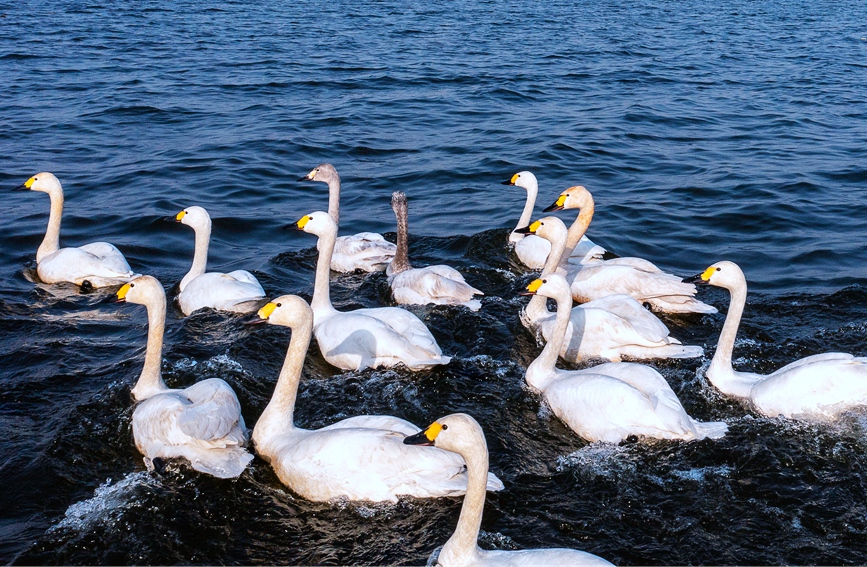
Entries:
{"x":611,"y":401}
{"x":440,"y":284}
{"x":530,"y":249}
{"x":633,"y":276}
{"x":461,"y":434}
{"x":237,"y":291}
{"x":98,"y":264}
{"x":610,"y":327}
{"x":360,"y":458}
{"x":363,"y":338}
{"x":822,"y":385}
{"x":202,"y":424}
{"x":366,"y":251}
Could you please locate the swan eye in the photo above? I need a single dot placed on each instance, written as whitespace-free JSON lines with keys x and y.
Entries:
{"x":132,"y":285}
{"x":445,"y":426}
{"x":544,"y":281}
{"x":718,"y":268}
{"x":279,"y":305}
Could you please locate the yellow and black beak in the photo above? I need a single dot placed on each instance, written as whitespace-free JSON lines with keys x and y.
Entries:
{"x":557,"y":206}
{"x":426,"y":437}
{"x":266,"y":310}
{"x":309,"y":177}
{"x":121,"y":293}
{"x":26,"y":185}
{"x":302,"y":222}
{"x":529,"y":229}
{"x":533,"y":287}
{"x":177,"y":218}
{"x":702,"y":278}
{"x":511,"y":180}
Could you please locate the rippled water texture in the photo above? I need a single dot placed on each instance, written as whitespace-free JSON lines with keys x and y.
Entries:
{"x":705,"y":132}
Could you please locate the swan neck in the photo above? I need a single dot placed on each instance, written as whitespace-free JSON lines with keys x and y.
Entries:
{"x":543,"y":368}
{"x":200,"y":256}
{"x":527,"y":213}
{"x":322,"y":284}
{"x":464,"y":542}
{"x":722,"y":358}
{"x":334,"y":199}
{"x":577,"y":230}
{"x":150,"y":382}
{"x":51,"y":242}
{"x":400,"y":263}
{"x":538,"y":306}
{"x":278,"y":416}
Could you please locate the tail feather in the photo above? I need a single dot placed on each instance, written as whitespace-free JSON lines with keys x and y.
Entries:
{"x":710,"y":429}
{"x":223,"y":463}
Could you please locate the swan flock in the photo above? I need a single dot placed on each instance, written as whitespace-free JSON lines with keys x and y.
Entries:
{"x":607,"y":317}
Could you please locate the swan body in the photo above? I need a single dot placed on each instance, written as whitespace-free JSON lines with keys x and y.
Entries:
{"x":611,"y":401}
{"x":202,"y":424}
{"x":354,"y":340}
{"x":532,"y":250}
{"x":609,"y":327}
{"x":442,"y":285}
{"x":98,"y":264}
{"x":360,"y":458}
{"x":631,"y":276}
{"x":237,"y":291}
{"x":365,"y":251}
{"x":461,"y":434}
{"x":821,"y":386}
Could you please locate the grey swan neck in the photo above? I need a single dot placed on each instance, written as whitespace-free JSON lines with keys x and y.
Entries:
{"x":334,"y":198}
{"x":400,"y":263}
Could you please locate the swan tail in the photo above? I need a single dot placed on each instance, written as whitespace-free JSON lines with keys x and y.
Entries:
{"x":665,"y":351}
{"x":680,"y":304}
{"x":494,"y":483}
{"x":473,"y":304}
{"x":419,"y":364}
{"x":710,"y":429}
{"x":221,"y":463}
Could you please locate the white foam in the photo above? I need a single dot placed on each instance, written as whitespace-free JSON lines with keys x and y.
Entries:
{"x":107,"y":499}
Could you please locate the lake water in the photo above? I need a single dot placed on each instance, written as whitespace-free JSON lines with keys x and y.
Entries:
{"x":705,"y":132}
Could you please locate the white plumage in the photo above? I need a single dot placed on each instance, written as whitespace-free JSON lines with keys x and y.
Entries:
{"x":98,"y":264}
{"x":360,"y":458}
{"x":202,"y":424}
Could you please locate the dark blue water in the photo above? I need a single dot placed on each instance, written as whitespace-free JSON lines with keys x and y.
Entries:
{"x":705,"y":132}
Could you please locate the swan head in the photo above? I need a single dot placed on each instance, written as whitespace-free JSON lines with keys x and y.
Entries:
{"x":144,"y":290}
{"x":457,"y":432}
{"x":318,"y":223}
{"x":722,"y":274}
{"x":286,"y":311}
{"x":523,"y":179}
{"x":553,"y":286}
{"x":195,"y":217}
{"x":324,"y":172}
{"x":398,"y":201}
{"x":549,"y":228}
{"x":45,"y":182}
{"x":576,"y":197}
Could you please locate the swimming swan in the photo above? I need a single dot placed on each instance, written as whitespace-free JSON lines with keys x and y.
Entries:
{"x":237,"y":291}
{"x":461,"y":434}
{"x":363,"y":338}
{"x":633,"y":276}
{"x":202,"y":424}
{"x":366,"y":251}
{"x":611,"y":401}
{"x":610,"y":327}
{"x":822,"y":385}
{"x":360,"y":458}
{"x":438,"y":284}
{"x":532,"y":250}
{"x":98,"y":264}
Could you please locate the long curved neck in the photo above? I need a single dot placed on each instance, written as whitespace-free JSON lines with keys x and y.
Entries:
{"x":51,"y":242}
{"x":200,"y":256}
{"x":538,"y":306}
{"x":278,"y":416}
{"x":541,"y":370}
{"x":464,"y":542}
{"x":400,"y":263}
{"x":720,"y":372}
{"x":322,"y":285}
{"x":334,"y":199}
{"x":577,"y":230}
{"x":527,"y":213}
{"x":150,"y":382}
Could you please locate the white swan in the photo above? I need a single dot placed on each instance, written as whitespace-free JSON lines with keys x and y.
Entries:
{"x":822,"y":385}
{"x":237,"y":291}
{"x":360,"y":458}
{"x":202,"y":424}
{"x":366,"y":251}
{"x":363,"y":338}
{"x":611,"y":401}
{"x":438,"y":284}
{"x":461,"y":434}
{"x":98,"y":264}
{"x":609,"y":327}
{"x":633,"y":276}
{"x":532,"y":250}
